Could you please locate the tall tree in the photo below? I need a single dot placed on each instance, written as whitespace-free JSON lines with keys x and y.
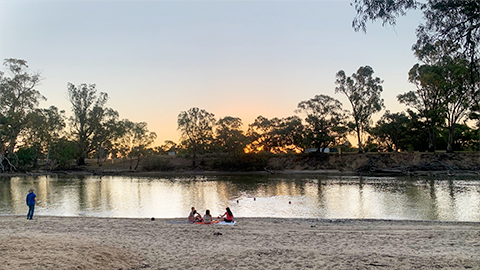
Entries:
{"x":260,"y":133}
{"x":454,"y":22}
{"x":18,"y":97}
{"x":289,"y":135}
{"x":427,"y":98}
{"x":89,"y":116}
{"x":363,"y":92}
{"x":325,"y":121}
{"x":391,"y":131}
{"x":276,"y":135}
{"x":229,"y":134}
{"x":196,"y":129}
{"x":460,"y":95}
{"x":45,"y":128}
{"x":135,"y":140}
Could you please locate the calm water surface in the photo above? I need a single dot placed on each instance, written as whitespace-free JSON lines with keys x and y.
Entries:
{"x":248,"y":196}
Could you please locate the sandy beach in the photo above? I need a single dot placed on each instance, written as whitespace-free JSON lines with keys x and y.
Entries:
{"x":252,"y":243}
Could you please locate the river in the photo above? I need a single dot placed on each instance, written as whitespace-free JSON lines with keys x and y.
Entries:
{"x":285,"y":196}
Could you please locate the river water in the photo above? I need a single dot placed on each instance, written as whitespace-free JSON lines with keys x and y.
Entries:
{"x":286,"y":196}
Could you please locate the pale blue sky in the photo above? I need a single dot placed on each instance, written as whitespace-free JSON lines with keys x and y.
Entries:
{"x":237,"y":58}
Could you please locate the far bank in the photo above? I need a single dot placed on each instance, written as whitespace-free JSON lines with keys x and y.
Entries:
{"x":265,"y":163}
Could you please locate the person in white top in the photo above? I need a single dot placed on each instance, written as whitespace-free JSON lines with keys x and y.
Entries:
{"x":207,"y":218}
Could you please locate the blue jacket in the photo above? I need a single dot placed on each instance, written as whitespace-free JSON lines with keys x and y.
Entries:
{"x":31,"y":198}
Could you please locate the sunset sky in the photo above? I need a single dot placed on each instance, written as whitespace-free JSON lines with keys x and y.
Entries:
{"x":236,"y":58}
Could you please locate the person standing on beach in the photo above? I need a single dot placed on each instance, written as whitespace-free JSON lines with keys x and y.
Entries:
{"x":31,"y":200}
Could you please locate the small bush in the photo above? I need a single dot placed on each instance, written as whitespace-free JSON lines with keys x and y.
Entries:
{"x":157,"y":163}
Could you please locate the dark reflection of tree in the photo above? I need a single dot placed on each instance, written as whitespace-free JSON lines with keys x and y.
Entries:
{"x":6,"y":198}
{"x":321,"y":193}
{"x":81,"y":186}
{"x":361,"y":182}
{"x":361,"y":205}
{"x":451,"y":188}
{"x":433,"y":194}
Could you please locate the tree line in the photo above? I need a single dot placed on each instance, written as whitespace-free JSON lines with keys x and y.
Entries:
{"x":443,"y":110}
{"x":29,"y":133}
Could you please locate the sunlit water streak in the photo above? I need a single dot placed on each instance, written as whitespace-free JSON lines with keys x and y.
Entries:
{"x":248,"y":196}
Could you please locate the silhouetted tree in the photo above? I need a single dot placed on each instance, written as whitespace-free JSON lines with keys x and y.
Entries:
{"x":427,"y":99}
{"x":45,"y":127}
{"x":134,"y":141}
{"x":89,"y":118}
{"x":18,"y":98}
{"x":275,"y":135}
{"x":454,"y":22}
{"x":229,"y":135}
{"x":363,"y":92}
{"x":391,"y":131}
{"x":196,"y":129}
{"x":325,"y":121}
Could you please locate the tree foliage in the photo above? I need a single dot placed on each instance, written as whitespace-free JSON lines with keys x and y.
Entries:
{"x":391,"y":132}
{"x":276,"y":135}
{"x":196,"y":129}
{"x":325,"y":121}
{"x":444,"y":94}
{"x":133,"y":141}
{"x":427,"y":98}
{"x":90,"y":120}
{"x":452,"y":22}
{"x":363,"y":92}
{"x":18,"y":98}
{"x":386,"y":11}
{"x":229,"y":135}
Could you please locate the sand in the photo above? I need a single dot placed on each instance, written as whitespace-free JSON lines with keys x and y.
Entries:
{"x":253,"y":243}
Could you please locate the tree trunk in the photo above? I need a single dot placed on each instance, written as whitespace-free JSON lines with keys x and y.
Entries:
{"x":138,"y":162}
{"x":194,"y":156}
{"x":451,"y":134}
{"x":431,"y":139}
{"x":100,"y":156}
{"x":360,"y":147}
{"x":81,"y":161}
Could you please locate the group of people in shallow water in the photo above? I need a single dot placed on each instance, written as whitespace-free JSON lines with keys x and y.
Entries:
{"x":196,"y":217}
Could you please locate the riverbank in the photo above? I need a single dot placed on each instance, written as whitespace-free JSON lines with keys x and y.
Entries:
{"x":252,"y":243}
{"x":376,"y":164}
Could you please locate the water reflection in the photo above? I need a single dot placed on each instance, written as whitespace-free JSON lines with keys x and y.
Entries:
{"x":247,"y":196}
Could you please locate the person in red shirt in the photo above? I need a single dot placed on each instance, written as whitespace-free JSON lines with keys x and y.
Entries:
{"x":228,"y":216}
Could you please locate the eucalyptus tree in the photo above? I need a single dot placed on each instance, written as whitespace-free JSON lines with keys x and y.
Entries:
{"x":325,"y":121}
{"x":260,"y":134}
{"x":289,"y":135}
{"x":455,"y":22}
{"x":275,"y":135}
{"x":196,"y":129}
{"x":45,"y":128}
{"x":105,"y":134}
{"x":166,"y":147}
{"x":392,"y":131}
{"x":134,"y":140}
{"x":460,"y":95}
{"x":229,"y":135}
{"x":18,"y":97}
{"x":90,"y":118}
{"x":444,"y":94}
{"x":363,"y":92}
{"x":427,"y":99}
